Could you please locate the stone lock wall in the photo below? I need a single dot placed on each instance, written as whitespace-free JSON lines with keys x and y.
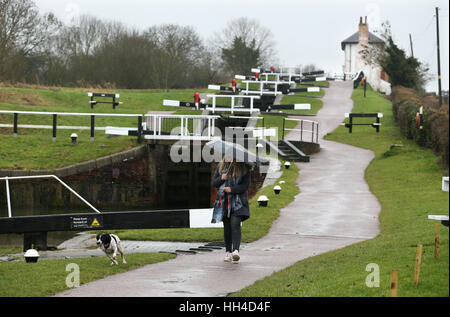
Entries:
{"x":143,"y":178}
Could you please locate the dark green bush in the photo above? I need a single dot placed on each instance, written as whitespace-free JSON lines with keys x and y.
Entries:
{"x":435,"y":134}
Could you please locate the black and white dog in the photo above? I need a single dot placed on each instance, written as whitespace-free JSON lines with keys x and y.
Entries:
{"x":110,"y":244}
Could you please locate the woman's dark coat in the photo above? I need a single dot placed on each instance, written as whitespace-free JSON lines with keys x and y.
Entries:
{"x":239,"y":188}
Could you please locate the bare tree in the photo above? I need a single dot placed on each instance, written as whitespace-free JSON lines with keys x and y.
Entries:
{"x":83,"y":36}
{"x":22,"y":27}
{"x":177,"y":49}
{"x":23,"y":31}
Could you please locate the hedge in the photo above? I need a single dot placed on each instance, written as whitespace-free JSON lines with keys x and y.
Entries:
{"x":435,"y":134}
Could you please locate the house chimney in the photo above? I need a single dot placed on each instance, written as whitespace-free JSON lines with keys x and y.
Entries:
{"x":363,"y":32}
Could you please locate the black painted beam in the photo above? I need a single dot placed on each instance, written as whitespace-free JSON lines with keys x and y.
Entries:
{"x":92,"y":221}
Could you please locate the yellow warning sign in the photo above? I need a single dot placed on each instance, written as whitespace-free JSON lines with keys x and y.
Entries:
{"x":95,"y":223}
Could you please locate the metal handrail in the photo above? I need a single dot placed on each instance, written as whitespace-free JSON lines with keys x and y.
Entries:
{"x":7,"y":178}
{"x":233,"y":102}
{"x":314,"y":128}
{"x":157,"y":123}
{"x":72,"y":113}
{"x":56,"y":114}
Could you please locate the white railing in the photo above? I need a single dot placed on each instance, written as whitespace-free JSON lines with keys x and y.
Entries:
{"x":55,"y":115}
{"x":8,"y":198}
{"x":189,"y":127}
{"x":309,"y":130}
{"x":279,"y":75}
{"x":261,"y":90}
{"x":172,"y":127}
{"x":234,"y":108}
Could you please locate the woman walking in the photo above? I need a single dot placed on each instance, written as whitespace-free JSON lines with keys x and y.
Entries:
{"x":231,"y":206}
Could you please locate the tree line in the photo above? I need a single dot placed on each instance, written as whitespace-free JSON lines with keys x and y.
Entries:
{"x":40,"y":49}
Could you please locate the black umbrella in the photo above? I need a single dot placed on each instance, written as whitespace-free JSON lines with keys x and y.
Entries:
{"x":233,"y":152}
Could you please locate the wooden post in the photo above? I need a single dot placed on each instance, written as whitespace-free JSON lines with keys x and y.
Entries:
{"x":15,"y":124}
{"x":394,"y":283}
{"x":351,"y":124}
{"x":417,"y":267}
{"x":139,"y":129}
{"x":54,"y":128}
{"x":92,"y":127}
{"x":436,"y":241}
{"x":365,"y":87}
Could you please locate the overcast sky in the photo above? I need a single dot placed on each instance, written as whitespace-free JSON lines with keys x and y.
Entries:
{"x":305,"y":31}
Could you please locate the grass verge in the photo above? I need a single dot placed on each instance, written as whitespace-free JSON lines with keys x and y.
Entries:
{"x":48,"y":277}
{"x":407,"y":182}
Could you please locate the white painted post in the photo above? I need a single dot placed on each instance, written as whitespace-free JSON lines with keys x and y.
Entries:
{"x":159,"y":124}
{"x":182,"y":126}
{"x":232,"y":104}
{"x":445,"y":186}
{"x":8,"y":199}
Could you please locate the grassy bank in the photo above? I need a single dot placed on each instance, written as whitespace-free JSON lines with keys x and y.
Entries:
{"x":407,"y":182}
{"x":34,"y":149}
{"x":48,"y":277}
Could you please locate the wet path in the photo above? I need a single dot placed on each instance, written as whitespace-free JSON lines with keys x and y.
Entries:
{"x":334,"y":208}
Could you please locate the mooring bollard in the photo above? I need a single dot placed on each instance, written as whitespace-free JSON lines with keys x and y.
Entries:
{"x":277,"y":189}
{"x":74,"y":137}
{"x":31,"y":256}
{"x":263,"y":200}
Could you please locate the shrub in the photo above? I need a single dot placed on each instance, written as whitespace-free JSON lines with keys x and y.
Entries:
{"x":435,"y":134}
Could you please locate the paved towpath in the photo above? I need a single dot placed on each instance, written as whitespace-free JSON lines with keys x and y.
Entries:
{"x":334,"y":209}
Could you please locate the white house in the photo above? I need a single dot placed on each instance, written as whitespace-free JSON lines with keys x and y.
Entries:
{"x":356,"y":51}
